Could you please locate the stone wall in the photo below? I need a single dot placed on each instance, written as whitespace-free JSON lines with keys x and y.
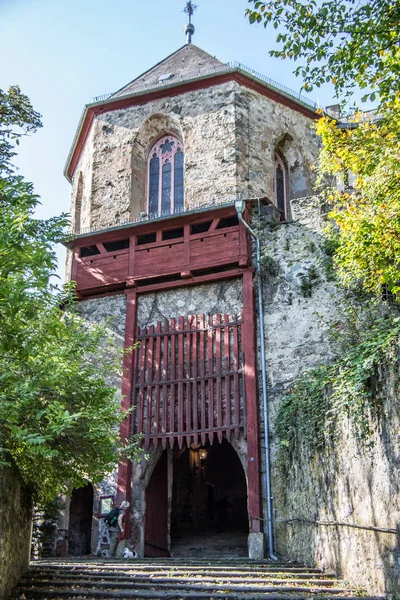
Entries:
{"x":15,"y":529}
{"x":348,"y":485}
{"x":230,"y":135}
{"x":224,"y":297}
{"x":297,"y":300}
{"x":114,"y":160}
{"x":263,"y":127}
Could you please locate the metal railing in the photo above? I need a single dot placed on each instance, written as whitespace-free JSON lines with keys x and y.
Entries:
{"x":144,"y":217}
{"x":274,"y":84}
{"x":225,"y":68}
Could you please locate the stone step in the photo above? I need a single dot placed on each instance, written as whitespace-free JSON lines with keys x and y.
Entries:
{"x":161,"y":579}
{"x":144,"y":572}
{"x":116,"y":565}
{"x":166,"y":594}
{"x":173,"y":579}
{"x":180,"y":589}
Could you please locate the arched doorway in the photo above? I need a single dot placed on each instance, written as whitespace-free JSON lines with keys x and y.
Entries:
{"x":80,"y":521}
{"x":209,"y":500}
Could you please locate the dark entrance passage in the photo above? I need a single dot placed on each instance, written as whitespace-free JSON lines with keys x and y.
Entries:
{"x":80,"y":521}
{"x":156,"y":521}
{"x":209,"y":499}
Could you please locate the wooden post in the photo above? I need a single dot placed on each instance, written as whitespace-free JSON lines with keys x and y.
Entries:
{"x":253,"y":428}
{"x":125,"y":466}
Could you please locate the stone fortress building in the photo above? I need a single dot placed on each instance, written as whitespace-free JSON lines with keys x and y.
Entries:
{"x":155,"y":171}
{"x":159,"y":171}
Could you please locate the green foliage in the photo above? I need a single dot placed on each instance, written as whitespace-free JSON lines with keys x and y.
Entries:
{"x":365,"y":341}
{"x":59,"y":417}
{"x":350,"y":43}
{"x":367,"y":217}
{"x":354,"y":45}
{"x":17,"y":118}
{"x":308,"y":281}
{"x":269,"y":265}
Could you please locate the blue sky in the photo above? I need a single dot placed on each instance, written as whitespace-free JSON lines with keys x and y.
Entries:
{"x":62,"y":53}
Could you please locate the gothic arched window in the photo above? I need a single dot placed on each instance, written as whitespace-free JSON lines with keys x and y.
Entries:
{"x":165,"y":182}
{"x":280,"y":187}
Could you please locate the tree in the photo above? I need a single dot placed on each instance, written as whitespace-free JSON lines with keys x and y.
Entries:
{"x":17,"y":118}
{"x":348,"y":43}
{"x":353,"y":44}
{"x":58,"y":416}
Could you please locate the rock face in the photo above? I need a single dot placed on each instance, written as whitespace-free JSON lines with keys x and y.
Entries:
{"x":15,"y":529}
{"x":221,"y":297}
{"x":345,"y":485}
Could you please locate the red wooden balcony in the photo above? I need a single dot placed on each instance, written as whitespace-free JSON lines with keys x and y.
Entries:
{"x":168,"y":250}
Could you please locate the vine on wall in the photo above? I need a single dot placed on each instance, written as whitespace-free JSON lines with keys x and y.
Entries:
{"x":367,"y":347}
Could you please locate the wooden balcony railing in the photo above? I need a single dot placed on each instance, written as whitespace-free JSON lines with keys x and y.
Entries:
{"x":175,"y":250}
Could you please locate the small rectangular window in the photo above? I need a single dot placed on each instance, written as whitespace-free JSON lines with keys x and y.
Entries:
{"x":200,"y":227}
{"x":149,"y":238}
{"x":172,"y":234}
{"x":114,"y":246}
{"x":89,"y":251}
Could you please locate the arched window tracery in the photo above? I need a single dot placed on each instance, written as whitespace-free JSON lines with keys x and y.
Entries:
{"x":280,"y":185}
{"x":165,"y":177}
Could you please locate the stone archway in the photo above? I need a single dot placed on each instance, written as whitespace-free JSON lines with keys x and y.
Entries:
{"x":80,"y":521}
{"x":209,"y":500}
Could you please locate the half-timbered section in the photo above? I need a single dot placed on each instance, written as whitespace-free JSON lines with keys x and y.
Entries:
{"x":160,"y":251}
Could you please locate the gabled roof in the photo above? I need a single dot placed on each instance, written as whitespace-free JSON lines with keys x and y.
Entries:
{"x":186,"y":63}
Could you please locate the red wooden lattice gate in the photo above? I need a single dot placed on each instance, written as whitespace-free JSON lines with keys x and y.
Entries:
{"x":189,"y":380}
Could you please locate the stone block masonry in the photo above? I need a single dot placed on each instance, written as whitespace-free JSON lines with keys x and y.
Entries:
{"x":319,"y":498}
{"x":15,"y":529}
{"x":230,"y":135}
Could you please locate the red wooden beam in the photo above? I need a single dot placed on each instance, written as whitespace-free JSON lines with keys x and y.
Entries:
{"x":218,"y":377}
{"x":149,"y":379}
{"x":187,"y":374}
{"x":157,"y":379}
{"x":180,"y":384}
{"x":172,"y":389}
{"x":210,"y":373}
{"x":141,"y":395}
{"x":236,"y":411}
{"x":195,"y":384}
{"x":203,"y":410}
{"x":228,"y":398}
{"x":125,"y":466}
{"x":253,"y":443}
{"x":164,"y":374}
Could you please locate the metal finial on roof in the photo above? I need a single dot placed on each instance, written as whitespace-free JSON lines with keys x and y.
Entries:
{"x":189,"y":28}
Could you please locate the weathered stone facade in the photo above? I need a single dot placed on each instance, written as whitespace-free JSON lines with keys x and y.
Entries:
{"x":230,"y":133}
{"x":15,"y":529}
{"x":224,"y":297}
{"x":348,"y":485}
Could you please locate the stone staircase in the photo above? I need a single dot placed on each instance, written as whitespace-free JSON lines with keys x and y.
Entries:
{"x":211,"y":545}
{"x":178,"y":579}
